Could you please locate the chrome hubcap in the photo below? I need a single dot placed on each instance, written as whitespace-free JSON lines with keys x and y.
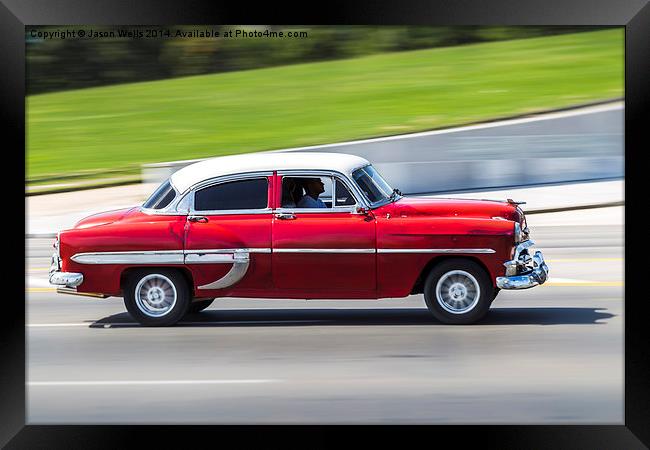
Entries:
{"x":458,"y":292}
{"x":155,"y":295}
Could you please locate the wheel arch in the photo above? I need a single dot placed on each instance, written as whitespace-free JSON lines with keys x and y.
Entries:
{"x":418,"y":286}
{"x":184,"y":271}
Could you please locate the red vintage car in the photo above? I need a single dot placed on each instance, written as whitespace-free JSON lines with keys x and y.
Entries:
{"x":298,"y":226}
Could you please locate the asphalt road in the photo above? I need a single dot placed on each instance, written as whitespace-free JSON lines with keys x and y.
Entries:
{"x":580,"y":144}
{"x":553,"y":354}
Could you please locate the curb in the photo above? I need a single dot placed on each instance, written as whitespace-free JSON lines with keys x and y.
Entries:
{"x":532,"y":211}
{"x":82,"y":187}
{"x":575,"y":208}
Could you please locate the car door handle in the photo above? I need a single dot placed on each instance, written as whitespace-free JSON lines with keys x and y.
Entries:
{"x":201,"y":219}
{"x":285,"y":216}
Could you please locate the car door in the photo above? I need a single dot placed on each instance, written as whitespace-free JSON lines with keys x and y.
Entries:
{"x":323,"y":252}
{"x":228,"y":235}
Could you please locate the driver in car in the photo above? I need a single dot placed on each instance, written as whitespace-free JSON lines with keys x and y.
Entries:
{"x":314,"y":187}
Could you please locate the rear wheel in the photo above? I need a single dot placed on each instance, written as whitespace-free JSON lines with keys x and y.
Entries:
{"x":200,"y":305}
{"x":458,"y":291}
{"x":156,"y":297}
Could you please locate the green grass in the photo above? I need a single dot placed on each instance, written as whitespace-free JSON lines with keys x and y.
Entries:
{"x":122,"y":126}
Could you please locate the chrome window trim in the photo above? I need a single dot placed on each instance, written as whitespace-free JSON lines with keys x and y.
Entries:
{"x":169,"y":210}
{"x":370,"y":204}
{"x":436,"y":250}
{"x":334,"y":174}
{"x":356,"y":201}
{"x":338,"y":209}
{"x":178,"y":208}
{"x":183,"y":205}
{"x":174,"y":208}
{"x":229,"y":212}
{"x":228,"y":179}
{"x":158,"y":212}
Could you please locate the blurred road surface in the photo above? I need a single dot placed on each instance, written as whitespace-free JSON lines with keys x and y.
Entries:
{"x":553,"y":354}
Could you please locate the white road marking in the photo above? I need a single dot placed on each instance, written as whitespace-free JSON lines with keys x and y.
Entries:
{"x":574,"y":282}
{"x":568,"y":280}
{"x":37,"y":282}
{"x":146,"y":382}
{"x":566,"y":260}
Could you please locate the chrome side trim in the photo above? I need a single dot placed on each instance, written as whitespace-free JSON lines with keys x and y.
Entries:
{"x":209,"y":258}
{"x":226,"y":255}
{"x":435,"y":250}
{"x":324,"y":250}
{"x":221,"y":256}
{"x":165,"y":256}
{"x":228,"y":250}
{"x":240,"y":261}
{"x":132,"y":257}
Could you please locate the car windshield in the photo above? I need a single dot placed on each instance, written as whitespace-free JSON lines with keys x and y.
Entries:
{"x":372,"y":185}
{"x":161,"y":197}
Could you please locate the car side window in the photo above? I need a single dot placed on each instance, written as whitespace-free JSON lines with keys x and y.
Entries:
{"x":315,"y":192}
{"x":233,"y":195}
{"x":161,"y":197}
{"x":306,"y":191}
{"x":343,"y":195}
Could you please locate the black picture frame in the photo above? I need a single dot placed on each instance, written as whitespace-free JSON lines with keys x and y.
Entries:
{"x":634,"y":15}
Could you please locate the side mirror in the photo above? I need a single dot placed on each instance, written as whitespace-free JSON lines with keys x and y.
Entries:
{"x":362,"y":210}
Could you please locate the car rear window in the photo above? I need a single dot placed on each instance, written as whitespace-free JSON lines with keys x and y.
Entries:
{"x":243,"y":194}
{"x":161,"y":197}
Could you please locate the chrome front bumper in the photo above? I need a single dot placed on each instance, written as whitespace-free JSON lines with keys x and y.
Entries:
{"x":58,"y":278}
{"x":524,"y":271}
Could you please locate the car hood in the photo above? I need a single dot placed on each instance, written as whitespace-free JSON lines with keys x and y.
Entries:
{"x":449,"y":207}
{"x":104,"y":218}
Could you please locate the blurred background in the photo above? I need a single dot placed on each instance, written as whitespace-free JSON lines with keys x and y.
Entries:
{"x":530,"y":113}
{"x":99,"y":109}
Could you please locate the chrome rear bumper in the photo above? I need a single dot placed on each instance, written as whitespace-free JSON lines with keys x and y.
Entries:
{"x":524,"y":271}
{"x":69,"y":279}
{"x":58,"y":278}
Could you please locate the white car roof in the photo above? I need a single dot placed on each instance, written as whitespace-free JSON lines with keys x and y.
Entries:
{"x":188,"y":176}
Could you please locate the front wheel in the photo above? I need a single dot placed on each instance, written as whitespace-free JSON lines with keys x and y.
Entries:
{"x":458,"y":291}
{"x":157,"y":297}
